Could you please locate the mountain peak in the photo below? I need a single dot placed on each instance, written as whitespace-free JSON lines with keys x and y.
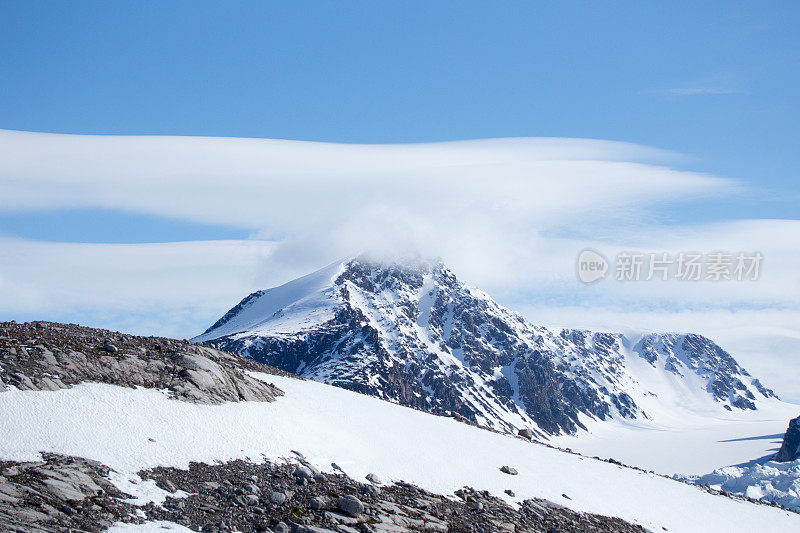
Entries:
{"x":405,"y":329}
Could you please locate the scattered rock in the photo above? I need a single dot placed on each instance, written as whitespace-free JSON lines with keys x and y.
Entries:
{"x":509,"y":470}
{"x":219,"y":498}
{"x":372,"y":478}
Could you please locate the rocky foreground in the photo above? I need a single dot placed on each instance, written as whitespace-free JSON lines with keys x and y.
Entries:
{"x":72,"y":494}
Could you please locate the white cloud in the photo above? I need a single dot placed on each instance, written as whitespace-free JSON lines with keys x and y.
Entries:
{"x":504,"y":214}
{"x":291,"y":187}
{"x":169,"y":289}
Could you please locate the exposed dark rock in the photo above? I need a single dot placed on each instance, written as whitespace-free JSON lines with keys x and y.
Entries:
{"x":790,"y":449}
{"x":526,"y":433}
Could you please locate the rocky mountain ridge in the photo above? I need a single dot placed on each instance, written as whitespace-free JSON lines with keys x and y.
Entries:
{"x":412,"y":333}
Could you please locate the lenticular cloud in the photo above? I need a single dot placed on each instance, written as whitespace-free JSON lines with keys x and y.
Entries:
{"x":292,"y":187}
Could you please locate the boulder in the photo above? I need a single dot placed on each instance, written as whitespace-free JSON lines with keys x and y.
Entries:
{"x":350,"y":505}
{"x":303,"y":472}
{"x":277,"y":498}
{"x":526,"y":433}
{"x":370,"y":490}
{"x":509,"y":470}
{"x":110,"y":348}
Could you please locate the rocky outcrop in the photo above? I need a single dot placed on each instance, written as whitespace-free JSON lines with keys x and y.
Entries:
{"x":59,"y":494}
{"x":50,"y":356}
{"x":790,"y":449}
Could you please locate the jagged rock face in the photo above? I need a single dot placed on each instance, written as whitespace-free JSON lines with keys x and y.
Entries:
{"x":416,"y":335}
{"x":50,"y":356}
{"x":790,"y":449}
{"x":694,"y":353}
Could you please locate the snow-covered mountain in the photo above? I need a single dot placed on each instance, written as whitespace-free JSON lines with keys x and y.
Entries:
{"x":412,"y":333}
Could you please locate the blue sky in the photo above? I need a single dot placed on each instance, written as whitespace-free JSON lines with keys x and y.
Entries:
{"x":716,"y":82}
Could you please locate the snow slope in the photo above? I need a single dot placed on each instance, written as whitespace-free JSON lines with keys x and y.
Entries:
{"x":300,"y":304}
{"x":114,"y":425}
{"x":692,"y":445}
